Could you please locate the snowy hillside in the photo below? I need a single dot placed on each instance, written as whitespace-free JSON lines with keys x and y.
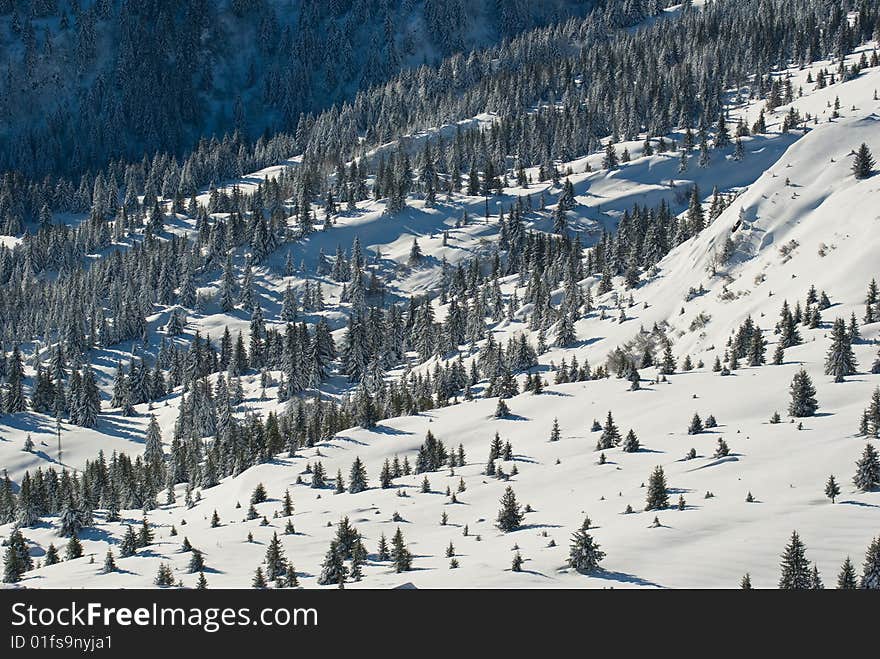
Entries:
{"x":783,"y":214}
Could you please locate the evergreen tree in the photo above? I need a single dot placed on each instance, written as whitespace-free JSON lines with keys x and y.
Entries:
{"x":333,"y":569}
{"x":863,"y":164}
{"x":846,"y":579}
{"x":840,"y":360}
{"x":51,"y":555}
{"x":145,"y":536}
{"x":832,"y":489}
{"x":276,"y":564}
{"x":386,"y":475}
{"x":867,"y":476}
{"x":584,"y":554}
{"x":196,"y":561}
{"x":609,"y":161}
{"x":382,"y":552}
{"x":109,"y":562}
{"x":668,"y":365}
{"x":74,"y":548}
{"x":610,"y":436}
{"x":554,"y":431}
{"x":259,"y":494}
{"x":871,"y":568}
{"x":357,"y":479}
{"x":509,"y":517}
{"x":13,"y":569}
{"x":164,"y":576}
{"x":129,"y":544}
{"x":400,"y":555}
{"x":803,"y":396}
{"x":658,"y":495}
{"x":259,"y":580}
{"x":795,"y":567}
{"x":517,"y":564}
{"x":630,"y":443}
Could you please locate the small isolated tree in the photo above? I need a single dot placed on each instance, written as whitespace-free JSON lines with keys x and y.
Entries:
{"x":400,"y":555}
{"x":832,"y":489}
{"x":863,"y":164}
{"x":696,"y":425}
{"x":722,"y":450}
{"x":746,"y":583}
{"x":516,"y":566}
{"x":584,"y":554}
{"x":415,"y":253}
{"x":109,"y":562}
{"x":796,"y":574}
{"x":803,"y":396}
{"x":259,"y":494}
{"x":658,"y":495}
{"x":555,"y":433}
{"x":510,"y":516}
{"x":286,"y":504}
{"x":630,"y":442}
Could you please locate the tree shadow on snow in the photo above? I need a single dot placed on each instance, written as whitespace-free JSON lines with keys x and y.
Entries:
{"x":860,"y":503}
{"x":526,"y":527}
{"x":624,"y":577}
{"x":510,"y":417}
{"x":350,"y":440}
{"x":388,"y":430}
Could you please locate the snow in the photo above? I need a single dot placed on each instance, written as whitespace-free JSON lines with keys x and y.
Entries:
{"x":793,"y":187}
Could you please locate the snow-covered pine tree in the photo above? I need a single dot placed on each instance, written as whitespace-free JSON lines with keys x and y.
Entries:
{"x":871,"y":567}
{"x":509,"y":516}
{"x":846,"y":578}
{"x":630,"y":442}
{"x":840,"y":360}
{"x":832,"y":489}
{"x":584,"y":554}
{"x":803,"y":395}
{"x":357,"y":479}
{"x":863,"y":163}
{"x":867,"y":476}
{"x":658,"y":495}
{"x":796,"y":574}
{"x":400,"y":555}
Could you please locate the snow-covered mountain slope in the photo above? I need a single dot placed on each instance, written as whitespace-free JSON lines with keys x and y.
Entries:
{"x":801,"y":219}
